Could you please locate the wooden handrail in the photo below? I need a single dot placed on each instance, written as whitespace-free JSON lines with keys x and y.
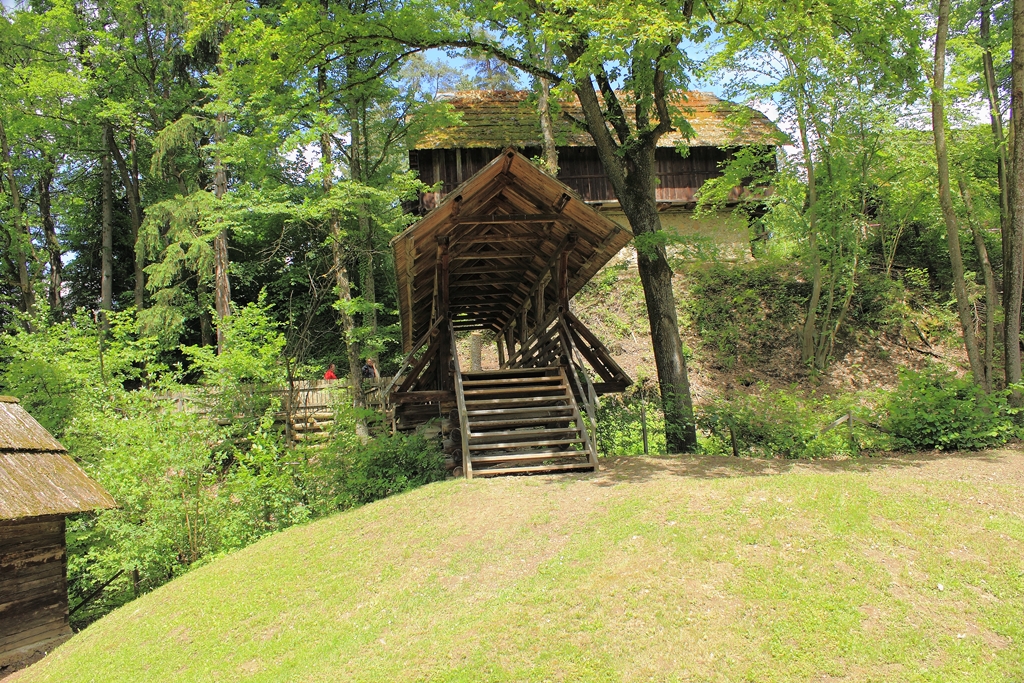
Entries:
{"x":460,"y":397}
{"x":405,"y":363}
{"x":590,"y":397}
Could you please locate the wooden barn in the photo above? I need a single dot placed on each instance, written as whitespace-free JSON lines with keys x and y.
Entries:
{"x":505,"y":252}
{"x":487,"y":121}
{"x":39,"y":486}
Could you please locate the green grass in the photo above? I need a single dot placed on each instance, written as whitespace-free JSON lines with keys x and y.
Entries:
{"x":664,"y":569}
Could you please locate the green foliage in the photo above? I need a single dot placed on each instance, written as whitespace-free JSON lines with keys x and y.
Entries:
{"x":937,"y":409}
{"x":780,"y":423}
{"x":348,"y":474}
{"x":620,"y":422}
{"x":197,"y":470}
{"x":743,"y":311}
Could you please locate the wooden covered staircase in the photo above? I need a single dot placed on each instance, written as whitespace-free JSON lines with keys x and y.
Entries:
{"x":505,"y":253}
{"x":523,"y":420}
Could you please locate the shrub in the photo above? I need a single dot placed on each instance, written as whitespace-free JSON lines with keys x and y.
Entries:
{"x":936,"y":409}
{"x":778,"y":423}
{"x":348,"y":473}
{"x":741,"y":312}
{"x":619,"y":422}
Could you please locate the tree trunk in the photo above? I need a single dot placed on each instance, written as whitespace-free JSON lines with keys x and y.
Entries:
{"x":547,"y":126}
{"x":945,"y":198}
{"x":990,"y":283}
{"x":811,"y":319}
{"x":1014,"y":283}
{"x":369,"y":292}
{"x":130,"y":180}
{"x":52,"y":243}
{"x":20,"y":240}
{"x":222,"y":282}
{"x":107,"y":226}
{"x":341,"y":279}
{"x":633,"y":180}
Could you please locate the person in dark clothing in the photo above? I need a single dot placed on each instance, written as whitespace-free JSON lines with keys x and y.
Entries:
{"x":370,"y":369}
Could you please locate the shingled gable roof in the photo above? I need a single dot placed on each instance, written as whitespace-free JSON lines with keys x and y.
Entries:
{"x":37,"y":477}
{"x":504,"y":225}
{"x":494,"y":119}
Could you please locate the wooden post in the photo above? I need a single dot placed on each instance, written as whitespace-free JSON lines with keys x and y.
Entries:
{"x":524,"y":329}
{"x":501,"y":352}
{"x":446,"y":351}
{"x":475,"y":348}
{"x":563,"y":272}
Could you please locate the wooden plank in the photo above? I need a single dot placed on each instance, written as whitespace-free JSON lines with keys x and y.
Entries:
{"x":505,"y":219}
{"x":422,"y":397}
{"x":507,"y":413}
{"x":557,"y":390}
{"x":543,"y":271}
{"x":538,"y":469}
{"x":504,"y":424}
{"x":482,"y":437}
{"x":526,"y":444}
{"x":514,"y":380}
{"x":490,"y":255}
{"x":542,"y":455}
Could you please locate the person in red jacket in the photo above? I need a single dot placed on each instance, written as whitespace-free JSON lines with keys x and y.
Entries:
{"x":330,"y":373}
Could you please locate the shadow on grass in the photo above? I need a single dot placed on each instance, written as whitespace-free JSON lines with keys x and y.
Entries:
{"x":635,"y":469}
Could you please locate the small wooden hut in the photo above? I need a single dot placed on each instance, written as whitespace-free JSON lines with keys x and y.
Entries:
{"x":39,"y":486}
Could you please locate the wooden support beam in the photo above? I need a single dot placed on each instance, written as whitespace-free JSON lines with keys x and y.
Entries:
{"x":562,"y":287}
{"x":478,"y":281}
{"x":487,"y":270}
{"x":543,"y":272}
{"x":443,"y":376}
{"x":494,"y":255}
{"x":506,"y":219}
{"x":598,"y":255}
{"x":423,"y":397}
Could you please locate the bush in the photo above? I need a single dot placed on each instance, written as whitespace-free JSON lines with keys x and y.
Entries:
{"x":741,"y":312}
{"x":619,"y":422}
{"x":777,"y":423}
{"x":350,"y":474}
{"x":936,"y":409}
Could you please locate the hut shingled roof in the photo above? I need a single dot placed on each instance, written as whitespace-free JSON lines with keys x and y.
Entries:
{"x":494,"y":119}
{"x":37,"y":478}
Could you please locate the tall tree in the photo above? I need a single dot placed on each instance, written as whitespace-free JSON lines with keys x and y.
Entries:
{"x":1014,"y":283}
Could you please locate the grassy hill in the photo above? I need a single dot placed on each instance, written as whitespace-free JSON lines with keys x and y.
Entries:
{"x":653,"y":569}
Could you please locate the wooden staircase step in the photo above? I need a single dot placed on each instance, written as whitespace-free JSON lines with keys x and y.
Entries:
{"x":524,"y":444}
{"x":508,"y":392}
{"x":531,"y":469}
{"x":513,"y":402}
{"x":504,"y":413}
{"x":520,"y":457}
{"x":510,"y":372}
{"x":476,"y":425}
{"x":512,"y":380}
{"x":479,"y":437}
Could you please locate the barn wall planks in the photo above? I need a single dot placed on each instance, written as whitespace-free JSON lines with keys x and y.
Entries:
{"x":33,"y":585}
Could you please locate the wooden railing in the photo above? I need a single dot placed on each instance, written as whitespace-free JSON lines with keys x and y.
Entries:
{"x":467,"y":462}
{"x":577,"y":367}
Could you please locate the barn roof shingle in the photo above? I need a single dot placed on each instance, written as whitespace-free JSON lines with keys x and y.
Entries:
{"x":37,"y":478}
{"x":497,"y":119}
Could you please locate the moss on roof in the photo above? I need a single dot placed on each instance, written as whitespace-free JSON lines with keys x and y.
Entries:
{"x":506,"y":118}
{"x":37,"y":477}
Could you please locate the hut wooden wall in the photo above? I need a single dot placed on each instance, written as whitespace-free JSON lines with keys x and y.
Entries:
{"x":33,"y":585}
{"x":679,"y":177}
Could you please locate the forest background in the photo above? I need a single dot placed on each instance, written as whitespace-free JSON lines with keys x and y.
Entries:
{"x":198,"y":198}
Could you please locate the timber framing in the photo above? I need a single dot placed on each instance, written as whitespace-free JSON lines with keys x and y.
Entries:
{"x":505,"y":252}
